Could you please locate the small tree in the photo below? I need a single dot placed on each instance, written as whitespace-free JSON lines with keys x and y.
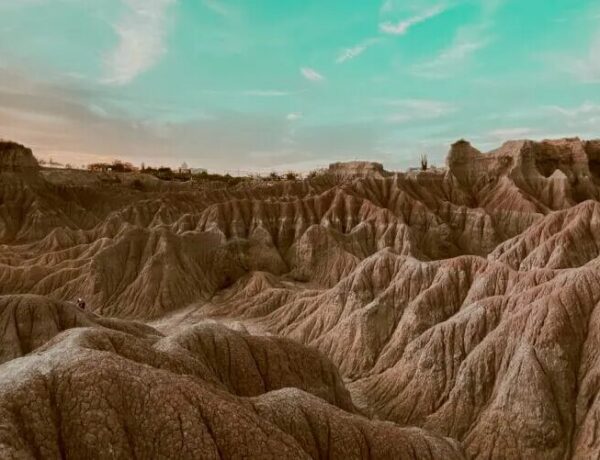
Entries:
{"x":165,"y":173}
{"x":291,"y":175}
{"x":121,"y":166}
{"x":424,"y":162}
{"x":312,"y":174}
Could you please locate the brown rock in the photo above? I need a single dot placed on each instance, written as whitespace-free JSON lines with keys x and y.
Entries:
{"x":16,"y":158}
{"x":447,"y":313}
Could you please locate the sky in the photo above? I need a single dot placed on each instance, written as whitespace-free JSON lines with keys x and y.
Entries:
{"x":272,"y":85}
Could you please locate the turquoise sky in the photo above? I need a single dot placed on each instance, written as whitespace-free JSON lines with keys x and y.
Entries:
{"x":275,"y":85}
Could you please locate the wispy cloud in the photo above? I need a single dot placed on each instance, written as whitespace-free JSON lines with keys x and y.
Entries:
{"x":586,"y":115}
{"x":451,"y":58}
{"x":293,"y":116}
{"x":266,"y":93}
{"x":220,"y":8}
{"x":511,"y":133}
{"x":468,"y":40}
{"x":387,"y":6}
{"x":142,"y":30}
{"x":587,"y":69}
{"x":406,"y":110}
{"x":249,"y":92}
{"x":403,"y":26}
{"x":587,"y":108}
{"x":311,"y":74}
{"x":548,"y":122}
{"x":348,"y":54}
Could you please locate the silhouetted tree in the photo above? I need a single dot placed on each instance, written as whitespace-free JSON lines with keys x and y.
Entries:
{"x":424,"y":162}
{"x":120,"y":166}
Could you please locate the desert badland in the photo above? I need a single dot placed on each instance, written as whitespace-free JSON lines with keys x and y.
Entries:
{"x":360,"y":313}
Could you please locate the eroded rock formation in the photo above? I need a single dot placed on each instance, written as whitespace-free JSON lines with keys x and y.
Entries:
{"x":447,"y":313}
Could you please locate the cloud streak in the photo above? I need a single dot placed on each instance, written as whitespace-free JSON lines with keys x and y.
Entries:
{"x":311,"y":74}
{"x":386,"y":6}
{"x":450,"y":59}
{"x":587,"y":108}
{"x":468,"y":40}
{"x":347,"y":54}
{"x":142,"y":31}
{"x":266,"y":93}
{"x":584,"y":116}
{"x":402,"y":27}
{"x":406,"y":110}
{"x":587,"y":70}
{"x":294,"y":116}
{"x":223,"y":9}
{"x":505,"y":134}
{"x":350,"y":53}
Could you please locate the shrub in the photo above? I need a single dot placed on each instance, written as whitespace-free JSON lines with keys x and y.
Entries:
{"x":120,"y":166}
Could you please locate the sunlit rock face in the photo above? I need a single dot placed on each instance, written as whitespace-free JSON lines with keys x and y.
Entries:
{"x":357,"y":168}
{"x":361,"y":313}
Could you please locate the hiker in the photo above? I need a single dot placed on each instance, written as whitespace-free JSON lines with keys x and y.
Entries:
{"x":81,"y":303}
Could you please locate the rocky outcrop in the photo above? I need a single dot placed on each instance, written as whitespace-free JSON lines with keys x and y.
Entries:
{"x":207,"y":392}
{"x":28,"y":321}
{"x":547,"y":175}
{"x":16,"y":158}
{"x":350,"y":169}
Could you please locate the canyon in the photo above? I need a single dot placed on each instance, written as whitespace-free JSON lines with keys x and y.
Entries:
{"x":443,"y":313}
